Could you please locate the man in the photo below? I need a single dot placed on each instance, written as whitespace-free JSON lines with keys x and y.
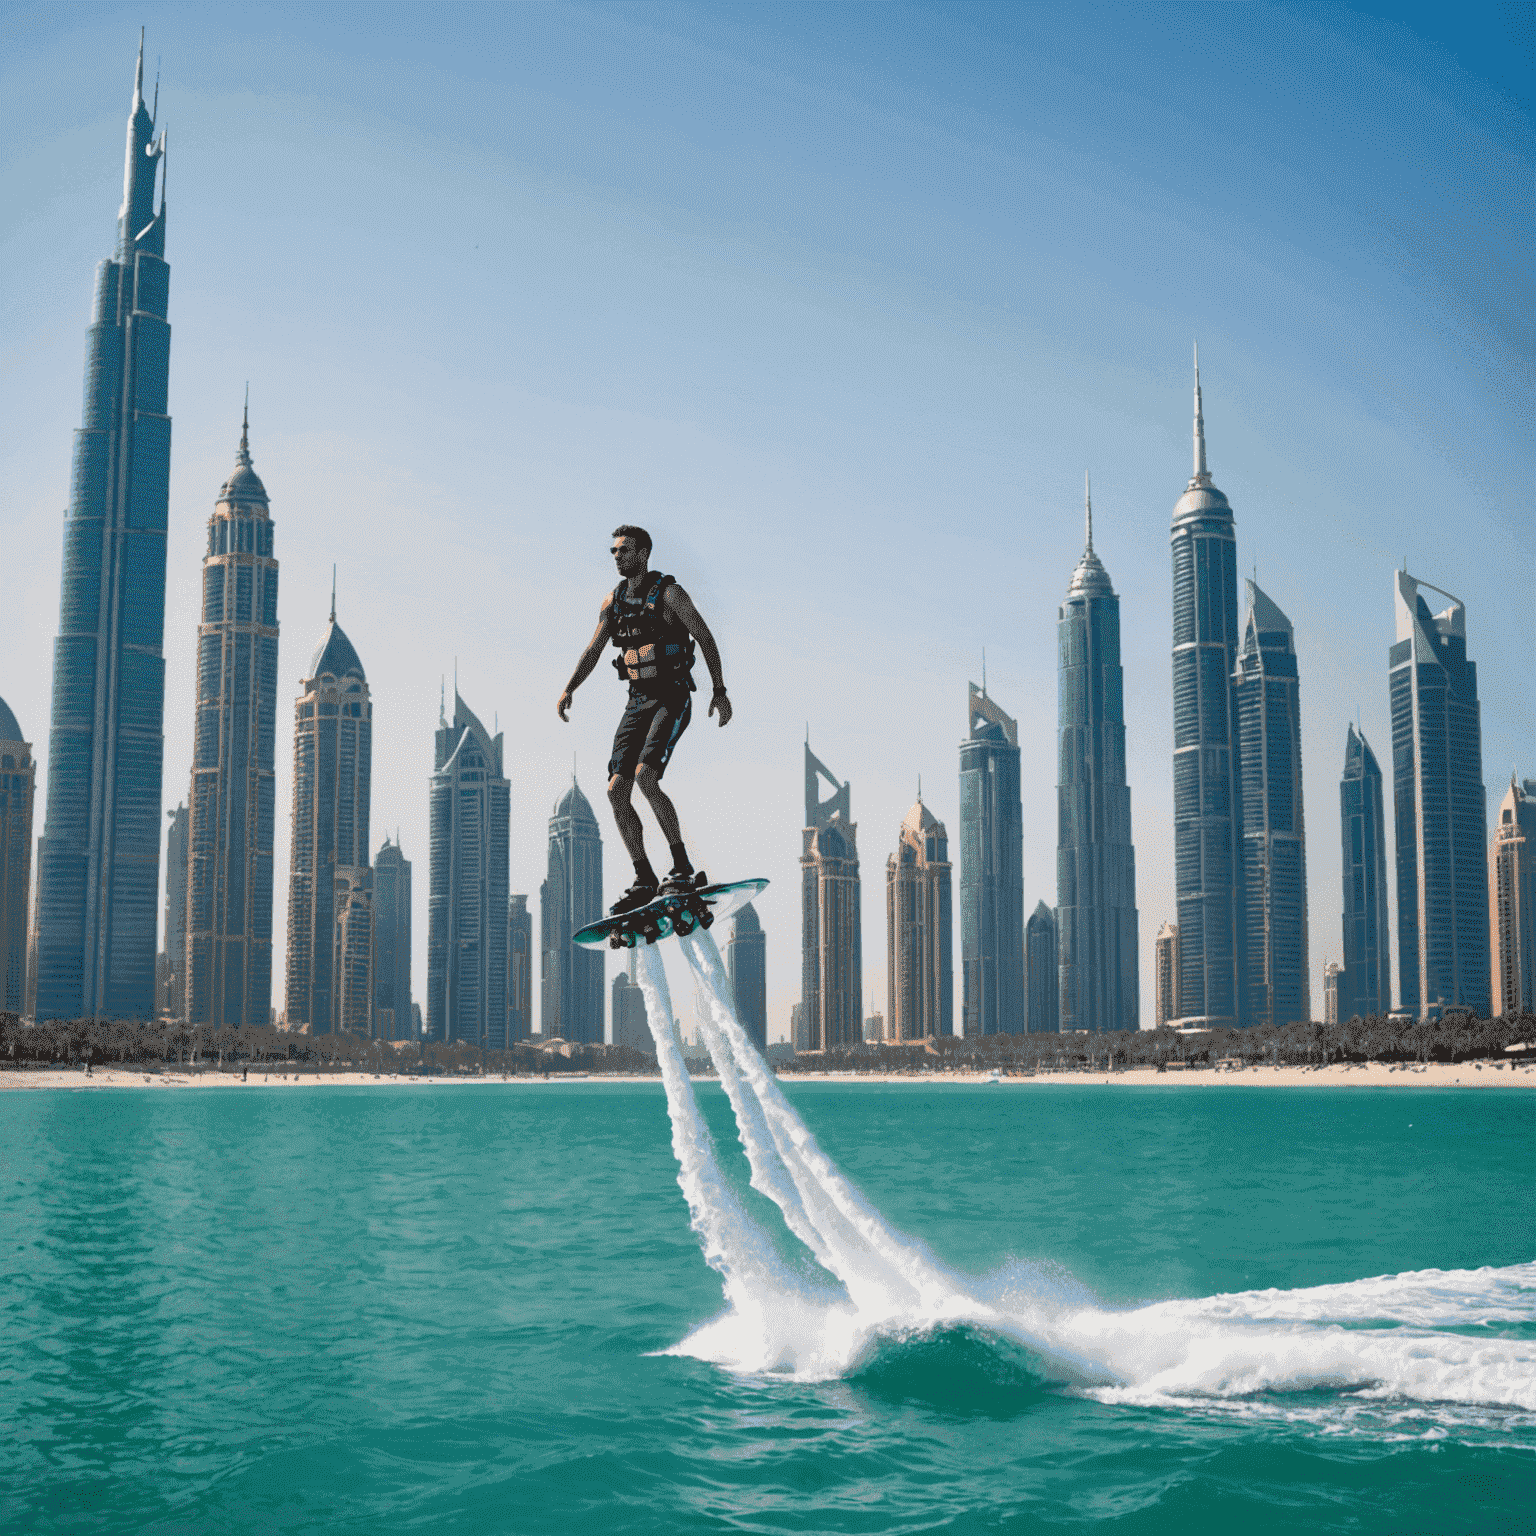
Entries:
{"x":654,"y":624}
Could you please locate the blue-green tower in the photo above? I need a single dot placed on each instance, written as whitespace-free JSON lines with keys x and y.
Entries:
{"x":100,"y":869}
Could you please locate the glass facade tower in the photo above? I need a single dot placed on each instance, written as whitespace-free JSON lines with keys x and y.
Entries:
{"x":228,"y":961}
{"x":1272,"y":849}
{"x":571,"y":976}
{"x":1205,"y":784}
{"x":100,"y":866}
{"x":991,"y":872}
{"x":1440,"y":808}
{"x":1365,"y":987}
{"x":467,"y":908}
{"x":920,"y":971}
{"x":831,"y":937}
{"x":1100,"y":985}
{"x":746,"y":960}
{"x":392,"y":943}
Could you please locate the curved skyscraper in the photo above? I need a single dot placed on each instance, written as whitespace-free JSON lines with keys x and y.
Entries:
{"x":1272,"y":845}
{"x":228,"y":963}
{"x":467,"y":907}
{"x":332,"y":778}
{"x":571,"y":977}
{"x":1441,"y":809}
{"x":1365,"y":987}
{"x":1095,"y":863}
{"x":992,"y":997}
{"x":100,"y":874}
{"x":1205,"y":787}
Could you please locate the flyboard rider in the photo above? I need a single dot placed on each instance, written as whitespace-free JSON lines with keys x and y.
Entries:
{"x":654,"y":624}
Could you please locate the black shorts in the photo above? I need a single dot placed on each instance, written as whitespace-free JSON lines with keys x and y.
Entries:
{"x":649,"y":729}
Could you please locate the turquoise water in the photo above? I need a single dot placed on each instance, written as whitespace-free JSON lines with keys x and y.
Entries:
{"x":447,"y":1308}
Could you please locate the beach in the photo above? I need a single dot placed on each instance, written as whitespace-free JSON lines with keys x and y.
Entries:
{"x":1435,"y":1074}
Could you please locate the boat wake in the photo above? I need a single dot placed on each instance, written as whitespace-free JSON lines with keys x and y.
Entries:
{"x":1428,"y":1350}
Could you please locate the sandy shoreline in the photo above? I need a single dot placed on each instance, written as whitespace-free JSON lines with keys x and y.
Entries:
{"x":1468,"y":1074}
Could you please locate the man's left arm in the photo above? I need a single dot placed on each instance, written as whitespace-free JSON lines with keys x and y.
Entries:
{"x":680,"y":606}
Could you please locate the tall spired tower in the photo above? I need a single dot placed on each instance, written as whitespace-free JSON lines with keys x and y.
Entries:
{"x":327,"y":891}
{"x":831,"y":942}
{"x":100,"y":871}
{"x":571,"y":977}
{"x":1205,"y":785}
{"x":229,"y":846}
{"x":1095,"y":863}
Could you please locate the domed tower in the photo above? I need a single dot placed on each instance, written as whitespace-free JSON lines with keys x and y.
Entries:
{"x":920,"y":976}
{"x":1099,"y":986}
{"x":228,"y":960}
{"x":332,"y":777}
{"x":571,"y":995}
{"x":1205,"y":783}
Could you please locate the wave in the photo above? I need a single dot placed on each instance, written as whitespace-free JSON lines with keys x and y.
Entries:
{"x":898,"y":1321}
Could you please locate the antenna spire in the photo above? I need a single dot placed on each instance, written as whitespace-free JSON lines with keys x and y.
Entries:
{"x":1088,"y":506}
{"x":244,"y":457}
{"x":983,"y":671}
{"x":138,"y":74}
{"x":333,"y":594}
{"x":1202,"y":474}
{"x":154,"y":111}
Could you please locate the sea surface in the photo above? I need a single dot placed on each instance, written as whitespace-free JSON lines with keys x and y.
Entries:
{"x":451,"y":1308}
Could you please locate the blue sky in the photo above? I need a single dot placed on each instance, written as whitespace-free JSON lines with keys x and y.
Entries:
{"x":840,"y":301}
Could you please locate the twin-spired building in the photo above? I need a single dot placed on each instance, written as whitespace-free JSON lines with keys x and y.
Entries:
{"x":99,"y":879}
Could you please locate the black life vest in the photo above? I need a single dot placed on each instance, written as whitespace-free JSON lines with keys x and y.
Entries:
{"x":636,"y":622}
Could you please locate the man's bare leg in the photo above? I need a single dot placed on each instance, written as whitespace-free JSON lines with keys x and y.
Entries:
{"x":661,"y":806}
{"x":627,"y":819}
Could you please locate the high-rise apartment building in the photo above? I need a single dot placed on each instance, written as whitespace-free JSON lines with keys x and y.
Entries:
{"x":352,"y":951}
{"x":100,"y":876}
{"x":1333,"y":977}
{"x":1042,"y":959}
{"x":392,"y":943}
{"x":920,"y":977}
{"x":18,"y":781}
{"x":1095,"y":863}
{"x":471,"y":806}
{"x":1272,"y":850}
{"x":1440,"y":809}
{"x":1365,"y":986}
{"x":1512,"y":901}
{"x":992,"y":997}
{"x":746,"y":960}
{"x":1167,"y":957}
{"x":1205,"y":785}
{"x":171,"y":996}
{"x":231,"y":801}
{"x":519,"y":969}
{"x":332,"y":780}
{"x":570,"y":976}
{"x":831,"y":945}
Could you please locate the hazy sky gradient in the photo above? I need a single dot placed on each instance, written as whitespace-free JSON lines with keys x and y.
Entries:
{"x":840,"y":301}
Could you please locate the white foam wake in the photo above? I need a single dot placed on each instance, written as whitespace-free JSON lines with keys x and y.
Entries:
{"x":1381,"y":1339}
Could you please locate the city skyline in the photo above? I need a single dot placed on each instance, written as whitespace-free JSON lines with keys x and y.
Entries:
{"x":1297,"y":453}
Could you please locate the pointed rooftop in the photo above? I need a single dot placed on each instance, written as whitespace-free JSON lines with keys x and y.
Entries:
{"x":335,"y":654}
{"x":1201,"y":499}
{"x":1264,"y":613}
{"x":9,"y":729}
{"x":1090,"y":577}
{"x":244,"y":485}
{"x":574,"y":804}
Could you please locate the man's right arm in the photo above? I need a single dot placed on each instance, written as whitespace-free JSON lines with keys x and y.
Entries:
{"x":588,"y":658}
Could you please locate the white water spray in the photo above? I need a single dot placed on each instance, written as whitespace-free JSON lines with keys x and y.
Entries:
{"x":1230,"y":1352}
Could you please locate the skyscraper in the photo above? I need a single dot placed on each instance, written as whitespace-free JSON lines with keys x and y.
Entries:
{"x":1333,"y":975}
{"x":1365,"y":987}
{"x":746,"y":960}
{"x":471,"y":803}
{"x":571,"y":977}
{"x":172,"y":998}
{"x":831,"y":945}
{"x":352,"y":951}
{"x":1440,"y":807}
{"x":1043,"y":962}
{"x":100,"y":876}
{"x":1095,"y":862}
{"x":630,"y":1026}
{"x":18,"y":780}
{"x":392,"y":943}
{"x":1167,"y":953}
{"x":1205,"y":784}
{"x":519,"y":969}
{"x":920,"y":975}
{"x":1512,"y":901}
{"x":230,"y":806}
{"x":332,"y":778}
{"x":1272,"y":856}
{"x":991,"y":872}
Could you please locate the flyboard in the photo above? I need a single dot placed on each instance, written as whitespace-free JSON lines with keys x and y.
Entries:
{"x":680,"y":912}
